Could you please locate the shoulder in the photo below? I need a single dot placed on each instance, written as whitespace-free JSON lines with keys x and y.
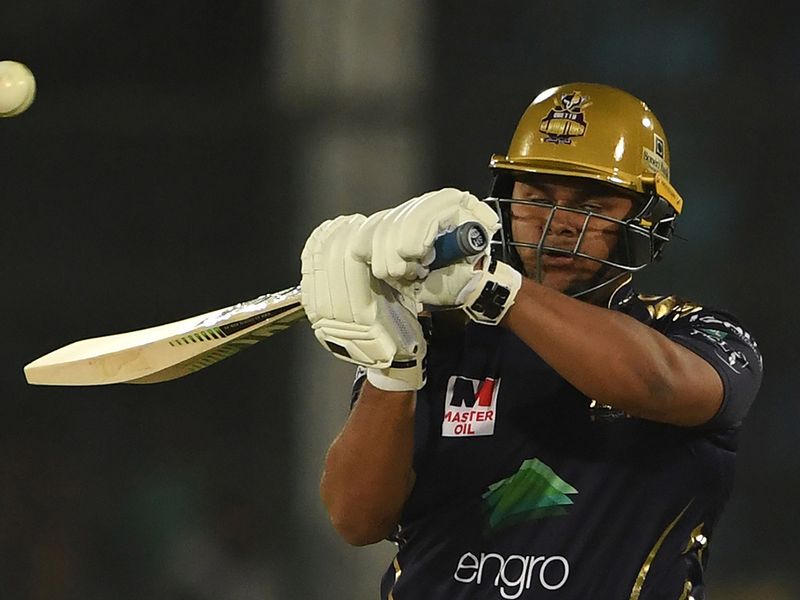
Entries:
{"x":717,"y":336}
{"x":668,"y":308}
{"x":675,"y":313}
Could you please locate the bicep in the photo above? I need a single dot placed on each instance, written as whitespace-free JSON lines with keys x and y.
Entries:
{"x":696,"y":389}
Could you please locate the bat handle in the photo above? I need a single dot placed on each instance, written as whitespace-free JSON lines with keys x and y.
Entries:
{"x":465,"y":240}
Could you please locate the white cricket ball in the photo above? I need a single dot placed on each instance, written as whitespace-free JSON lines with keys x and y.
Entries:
{"x":17,"y":88}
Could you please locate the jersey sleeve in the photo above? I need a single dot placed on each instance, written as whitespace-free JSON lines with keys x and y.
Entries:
{"x":720,"y":339}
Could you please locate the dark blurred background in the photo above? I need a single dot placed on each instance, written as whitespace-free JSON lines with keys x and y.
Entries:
{"x":178,"y":154}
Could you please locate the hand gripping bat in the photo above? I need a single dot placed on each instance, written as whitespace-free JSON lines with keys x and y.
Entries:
{"x":177,"y":349}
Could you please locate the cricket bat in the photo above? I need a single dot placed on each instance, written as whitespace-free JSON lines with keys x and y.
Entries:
{"x":168,"y":351}
{"x":177,"y":349}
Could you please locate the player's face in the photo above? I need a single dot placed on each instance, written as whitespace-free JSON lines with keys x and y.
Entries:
{"x":564,"y":273}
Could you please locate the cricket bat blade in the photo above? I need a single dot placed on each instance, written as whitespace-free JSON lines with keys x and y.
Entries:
{"x":168,"y":351}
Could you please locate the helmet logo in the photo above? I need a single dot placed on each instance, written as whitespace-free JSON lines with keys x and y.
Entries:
{"x":566,"y":120}
{"x":659,"y":144}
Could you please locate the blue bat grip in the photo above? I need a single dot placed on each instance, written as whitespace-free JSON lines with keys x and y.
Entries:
{"x":465,"y":240}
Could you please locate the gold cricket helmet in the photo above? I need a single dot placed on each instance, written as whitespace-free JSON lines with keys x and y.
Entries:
{"x":593,"y":131}
{"x":600,"y":133}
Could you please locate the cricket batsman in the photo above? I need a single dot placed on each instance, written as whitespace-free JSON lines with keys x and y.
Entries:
{"x":525,"y":423}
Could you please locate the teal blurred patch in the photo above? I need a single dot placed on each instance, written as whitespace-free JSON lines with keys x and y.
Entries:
{"x":535,"y":491}
{"x":714,"y":333}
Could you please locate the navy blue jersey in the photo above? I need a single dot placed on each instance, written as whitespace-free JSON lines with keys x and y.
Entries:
{"x":528,"y":489}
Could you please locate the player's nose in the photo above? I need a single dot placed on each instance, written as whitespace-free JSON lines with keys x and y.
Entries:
{"x":564,"y":223}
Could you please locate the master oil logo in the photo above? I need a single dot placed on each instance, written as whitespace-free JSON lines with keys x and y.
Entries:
{"x":470,"y":407}
{"x":566,"y":120}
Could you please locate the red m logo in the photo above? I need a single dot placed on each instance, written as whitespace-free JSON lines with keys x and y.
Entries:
{"x":468,"y":392}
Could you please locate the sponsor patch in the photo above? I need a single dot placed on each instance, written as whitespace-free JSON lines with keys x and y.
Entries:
{"x":470,"y":407}
{"x":719,"y":332}
{"x":655,"y":160}
{"x":654,"y":163}
{"x":511,"y":575}
{"x":534,"y":492}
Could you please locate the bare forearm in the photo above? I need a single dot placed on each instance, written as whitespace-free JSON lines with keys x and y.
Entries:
{"x":368,"y":471}
{"x":613,"y":358}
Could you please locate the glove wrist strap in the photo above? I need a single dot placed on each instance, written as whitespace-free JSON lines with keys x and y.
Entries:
{"x":402,"y":376}
{"x":494,"y":293}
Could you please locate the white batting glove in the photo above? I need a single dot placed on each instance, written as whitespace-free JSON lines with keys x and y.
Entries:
{"x":484,"y":291}
{"x":398,"y":243}
{"x":356,"y":317}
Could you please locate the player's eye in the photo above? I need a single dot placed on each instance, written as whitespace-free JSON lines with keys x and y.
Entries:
{"x":592,"y":206}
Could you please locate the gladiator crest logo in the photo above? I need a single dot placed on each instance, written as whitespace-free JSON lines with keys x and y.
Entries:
{"x":566,"y":120}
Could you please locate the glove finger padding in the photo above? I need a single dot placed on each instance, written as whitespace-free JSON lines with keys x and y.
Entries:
{"x":442,"y":287}
{"x":402,"y":238}
{"x":355,"y":316}
{"x":323,"y":264}
{"x":361,"y":245}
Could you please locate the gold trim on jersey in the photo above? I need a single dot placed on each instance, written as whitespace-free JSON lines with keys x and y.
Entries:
{"x":696,"y":538}
{"x":639,"y":583}
{"x":697,"y":541}
{"x":687,"y":588}
{"x":397,"y":572}
{"x":662,"y":306}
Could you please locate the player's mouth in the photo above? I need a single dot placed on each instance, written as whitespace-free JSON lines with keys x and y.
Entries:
{"x":557,"y":259}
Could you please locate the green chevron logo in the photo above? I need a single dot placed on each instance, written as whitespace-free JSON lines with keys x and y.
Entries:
{"x":714,"y":333}
{"x":535,"y":491}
